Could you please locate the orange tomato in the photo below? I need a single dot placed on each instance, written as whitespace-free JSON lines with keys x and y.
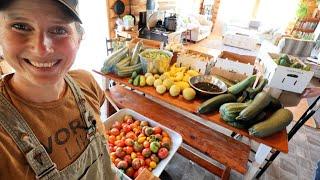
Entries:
{"x":153,"y":164}
{"x":165,"y":134}
{"x":111,"y":139}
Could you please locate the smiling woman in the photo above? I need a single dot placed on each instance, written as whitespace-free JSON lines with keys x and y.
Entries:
{"x":49,"y":116}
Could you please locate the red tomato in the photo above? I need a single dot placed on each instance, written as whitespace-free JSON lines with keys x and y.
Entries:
{"x":127,"y":158}
{"x":116,"y":124}
{"x":157,"y":130}
{"x":115,"y":131}
{"x":136,"y":163}
{"x":126,"y":128}
{"x":111,"y":139}
{"x":122,"y":165}
{"x":146,"y":144}
{"x":119,"y":152}
{"x":128,"y":149}
{"x":147,"y":161}
{"x":120,"y":143}
{"x":130,"y":172}
{"x":129,"y":121}
{"x":116,"y":161}
{"x":163,"y":153}
{"x":142,"y":161}
{"x":129,"y":142}
{"x":131,"y":135}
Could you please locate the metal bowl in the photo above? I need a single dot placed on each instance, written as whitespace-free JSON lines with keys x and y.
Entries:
{"x":209,"y":79}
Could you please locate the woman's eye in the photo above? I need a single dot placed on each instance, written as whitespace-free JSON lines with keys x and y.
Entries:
{"x":59,"y":31}
{"x":21,"y":27}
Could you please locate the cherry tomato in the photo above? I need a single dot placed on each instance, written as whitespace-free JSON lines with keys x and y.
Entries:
{"x":157,"y":130}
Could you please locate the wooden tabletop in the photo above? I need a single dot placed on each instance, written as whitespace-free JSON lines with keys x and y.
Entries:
{"x":277,"y":141}
{"x":220,"y":147}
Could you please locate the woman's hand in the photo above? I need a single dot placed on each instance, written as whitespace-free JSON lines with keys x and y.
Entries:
{"x":311,"y":92}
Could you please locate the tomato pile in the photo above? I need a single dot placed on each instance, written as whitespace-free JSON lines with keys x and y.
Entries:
{"x":134,"y":145}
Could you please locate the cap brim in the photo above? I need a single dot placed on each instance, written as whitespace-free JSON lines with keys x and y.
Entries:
{"x":75,"y":14}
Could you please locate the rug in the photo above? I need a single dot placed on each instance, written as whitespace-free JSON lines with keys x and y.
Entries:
{"x":298,"y":111}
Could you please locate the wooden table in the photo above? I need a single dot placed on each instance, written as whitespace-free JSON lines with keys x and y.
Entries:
{"x":278,"y":141}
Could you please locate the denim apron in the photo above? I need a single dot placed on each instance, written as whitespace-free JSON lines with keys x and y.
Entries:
{"x":93,"y":163}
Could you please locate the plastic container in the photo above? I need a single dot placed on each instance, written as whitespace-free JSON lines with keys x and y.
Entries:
{"x":157,"y":64}
{"x":175,"y":137}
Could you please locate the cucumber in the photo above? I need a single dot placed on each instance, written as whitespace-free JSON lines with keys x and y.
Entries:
{"x":253,"y":92}
{"x":113,"y":59}
{"x":135,"y":54}
{"x":261,"y":101}
{"x":242,"y":85}
{"x":136,"y":80}
{"x":134,"y":74}
{"x":215,"y":103}
{"x":142,"y":81}
{"x":277,"y":122}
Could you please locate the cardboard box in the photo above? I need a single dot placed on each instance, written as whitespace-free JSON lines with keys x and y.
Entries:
{"x":195,"y":60}
{"x":241,"y":64}
{"x":240,"y":40}
{"x":281,"y":77}
{"x":230,"y":75}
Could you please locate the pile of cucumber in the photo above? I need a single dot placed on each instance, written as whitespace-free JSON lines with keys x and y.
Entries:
{"x":121,"y":63}
{"x":246,"y":108}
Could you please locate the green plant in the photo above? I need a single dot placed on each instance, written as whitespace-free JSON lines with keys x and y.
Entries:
{"x":302,"y":10}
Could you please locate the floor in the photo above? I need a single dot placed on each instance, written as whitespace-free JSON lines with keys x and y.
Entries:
{"x":299,"y":164}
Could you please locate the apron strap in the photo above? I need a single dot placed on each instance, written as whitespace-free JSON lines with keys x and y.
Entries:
{"x":85,"y":109}
{"x":36,"y":155}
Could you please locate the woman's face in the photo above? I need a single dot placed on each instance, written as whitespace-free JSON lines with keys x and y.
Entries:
{"x":38,"y":40}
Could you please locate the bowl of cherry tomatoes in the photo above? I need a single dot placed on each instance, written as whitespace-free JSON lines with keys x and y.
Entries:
{"x":136,"y":143}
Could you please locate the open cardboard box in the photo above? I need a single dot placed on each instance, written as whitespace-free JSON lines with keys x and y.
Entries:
{"x":230,"y":75}
{"x":195,"y":60}
{"x":242,"y":64}
{"x":146,"y":43}
{"x":284,"y":78}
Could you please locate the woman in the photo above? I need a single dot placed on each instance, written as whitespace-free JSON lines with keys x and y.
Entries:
{"x":49,"y":117}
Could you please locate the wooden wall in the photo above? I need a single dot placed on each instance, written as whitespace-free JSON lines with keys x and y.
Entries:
{"x":136,"y":7}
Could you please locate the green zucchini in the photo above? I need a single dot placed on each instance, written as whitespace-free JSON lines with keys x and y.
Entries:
{"x":246,"y":125}
{"x":274,"y":105}
{"x":242,"y":85}
{"x":215,"y":103}
{"x":135,"y":54}
{"x":229,"y":111}
{"x":277,"y":122}
{"x":253,"y":92}
{"x":261,"y":101}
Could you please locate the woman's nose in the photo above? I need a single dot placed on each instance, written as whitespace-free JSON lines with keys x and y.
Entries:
{"x":42,"y":45}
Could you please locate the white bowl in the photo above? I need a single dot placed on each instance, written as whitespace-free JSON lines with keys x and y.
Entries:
{"x":175,"y":137}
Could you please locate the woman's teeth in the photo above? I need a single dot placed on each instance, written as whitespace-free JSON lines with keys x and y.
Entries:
{"x":40,"y":65}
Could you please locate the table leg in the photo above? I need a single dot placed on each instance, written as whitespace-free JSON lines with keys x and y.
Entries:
{"x":261,"y":154}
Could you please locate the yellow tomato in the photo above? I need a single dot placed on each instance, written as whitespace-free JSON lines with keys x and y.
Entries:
{"x":118,"y":137}
{"x":153,"y":164}
{"x":133,"y":155}
{"x":141,"y":139}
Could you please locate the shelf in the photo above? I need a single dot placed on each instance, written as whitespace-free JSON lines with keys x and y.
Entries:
{"x":304,"y":30}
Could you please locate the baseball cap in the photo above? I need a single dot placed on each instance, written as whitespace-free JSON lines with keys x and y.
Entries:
{"x":72,"y":5}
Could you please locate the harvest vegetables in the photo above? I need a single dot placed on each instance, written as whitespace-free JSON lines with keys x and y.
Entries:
{"x":215,"y":103}
{"x":134,"y":145}
{"x":121,"y":63}
{"x":278,"y":121}
{"x":155,"y":61}
{"x":284,"y":60}
{"x":242,"y":85}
